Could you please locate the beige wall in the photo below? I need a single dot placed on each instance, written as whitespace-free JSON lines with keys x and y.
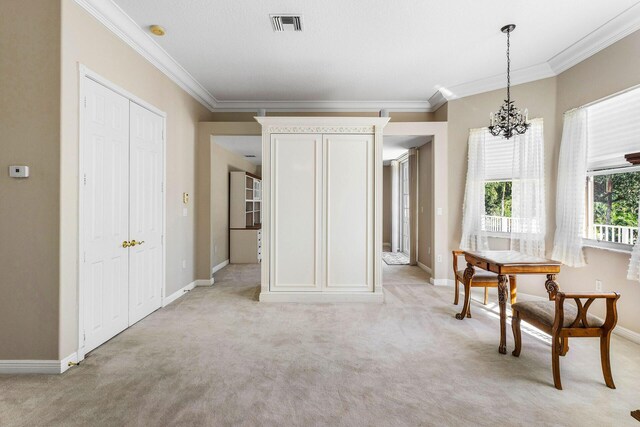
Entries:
{"x":611,"y":70}
{"x":86,"y":41}
{"x":29,"y":208}
{"x":425,"y":203}
{"x":442,"y":113}
{"x":222,"y":162}
{"x":386,"y":205}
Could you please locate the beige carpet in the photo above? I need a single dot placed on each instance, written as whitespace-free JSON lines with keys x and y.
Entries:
{"x":218,"y":357}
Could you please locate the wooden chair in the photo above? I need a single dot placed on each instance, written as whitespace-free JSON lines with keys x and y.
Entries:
{"x":563,"y":321}
{"x":481,"y":279}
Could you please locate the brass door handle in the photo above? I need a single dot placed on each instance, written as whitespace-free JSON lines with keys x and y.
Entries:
{"x":126,"y":244}
{"x":134,"y":243}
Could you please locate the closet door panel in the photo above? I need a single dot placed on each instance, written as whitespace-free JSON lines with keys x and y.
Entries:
{"x":349,"y":212}
{"x":295,"y":212}
{"x":145,"y":216}
{"x":105,"y":150}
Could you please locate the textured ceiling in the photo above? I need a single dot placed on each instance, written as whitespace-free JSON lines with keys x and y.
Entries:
{"x":362,"y":50}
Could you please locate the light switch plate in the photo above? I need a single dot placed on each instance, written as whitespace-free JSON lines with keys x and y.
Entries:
{"x":16,"y":171}
{"x":185,"y":211}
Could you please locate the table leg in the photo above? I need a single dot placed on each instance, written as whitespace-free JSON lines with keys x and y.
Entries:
{"x":502,"y":301}
{"x":468,"y":277}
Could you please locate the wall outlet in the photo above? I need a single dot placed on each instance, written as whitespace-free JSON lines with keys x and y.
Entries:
{"x":429,"y":250}
{"x":439,"y":211}
{"x":184,"y":263}
{"x":439,"y":258}
{"x":599,"y":285}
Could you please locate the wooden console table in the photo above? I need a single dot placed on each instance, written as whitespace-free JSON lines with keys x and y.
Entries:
{"x":505,"y":263}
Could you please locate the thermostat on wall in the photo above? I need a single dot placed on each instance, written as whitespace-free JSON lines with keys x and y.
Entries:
{"x":19,"y":171}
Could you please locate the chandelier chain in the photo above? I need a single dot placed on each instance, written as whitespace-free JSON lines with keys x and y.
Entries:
{"x":508,"y":66}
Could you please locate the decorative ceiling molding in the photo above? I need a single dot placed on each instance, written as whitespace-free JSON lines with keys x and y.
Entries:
{"x":288,"y":106}
{"x":525,"y":75}
{"x":116,"y":20}
{"x":614,"y":30}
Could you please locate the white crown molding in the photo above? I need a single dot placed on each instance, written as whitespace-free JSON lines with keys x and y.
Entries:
{"x":614,"y":30}
{"x":525,"y":75}
{"x":116,"y":20}
{"x":438,"y":99}
{"x":288,"y":106}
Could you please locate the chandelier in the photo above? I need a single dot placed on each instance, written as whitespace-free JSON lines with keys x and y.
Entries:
{"x":509,"y":120}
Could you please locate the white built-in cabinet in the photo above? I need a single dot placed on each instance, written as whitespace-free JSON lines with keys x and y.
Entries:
{"x":320,"y":225}
{"x":245,"y":218}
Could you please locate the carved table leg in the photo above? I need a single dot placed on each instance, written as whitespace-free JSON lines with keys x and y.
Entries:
{"x":468,"y":277}
{"x":502,"y":301}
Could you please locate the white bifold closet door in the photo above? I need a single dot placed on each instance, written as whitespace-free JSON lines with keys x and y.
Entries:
{"x":322,"y":213}
{"x":122,"y":201}
{"x":105,"y":285}
{"x":145,"y":212}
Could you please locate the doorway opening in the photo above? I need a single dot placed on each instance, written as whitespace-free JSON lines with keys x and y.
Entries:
{"x":407,"y":208}
{"x":236,"y":203}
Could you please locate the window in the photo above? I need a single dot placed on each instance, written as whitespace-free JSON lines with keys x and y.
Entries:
{"x":497,"y":205}
{"x":612,"y":206}
{"x":498,"y":154}
{"x":613,"y":185}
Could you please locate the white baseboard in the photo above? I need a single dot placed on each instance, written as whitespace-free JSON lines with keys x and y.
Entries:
{"x":204,"y":282}
{"x":220,"y":266}
{"x":313,"y":297}
{"x":177,"y":294}
{"x":441,"y":282}
{"x":50,"y":367}
{"x":424,"y":267}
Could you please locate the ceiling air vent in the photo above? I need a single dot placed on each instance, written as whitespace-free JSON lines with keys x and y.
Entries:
{"x":250,"y":156}
{"x":283,"y":23}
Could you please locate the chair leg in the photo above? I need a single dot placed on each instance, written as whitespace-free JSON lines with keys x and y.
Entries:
{"x":605,"y":343}
{"x":555,"y":362}
{"x":457,"y":294}
{"x":517,"y":335}
{"x":486,"y":296}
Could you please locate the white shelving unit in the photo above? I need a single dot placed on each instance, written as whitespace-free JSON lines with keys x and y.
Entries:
{"x":245,"y":193}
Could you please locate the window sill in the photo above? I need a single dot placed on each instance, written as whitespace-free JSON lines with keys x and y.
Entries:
{"x":608,"y":246}
{"x":498,"y":235}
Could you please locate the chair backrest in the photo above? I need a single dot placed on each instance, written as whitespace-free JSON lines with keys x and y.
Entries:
{"x":454,"y":255}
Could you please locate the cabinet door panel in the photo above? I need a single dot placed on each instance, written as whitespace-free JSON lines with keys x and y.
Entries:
{"x":349,"y":195}
{"x":295,"y":212}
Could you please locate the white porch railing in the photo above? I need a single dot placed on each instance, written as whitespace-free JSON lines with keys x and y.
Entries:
{"x":499,"y":224}
{"x":615,"y":233}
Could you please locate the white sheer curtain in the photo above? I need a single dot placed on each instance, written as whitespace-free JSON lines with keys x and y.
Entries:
{"x":474,"y":238}
{"x":570,"y":196}
{"x":528,"y":193}
{"x":634,"y":262}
